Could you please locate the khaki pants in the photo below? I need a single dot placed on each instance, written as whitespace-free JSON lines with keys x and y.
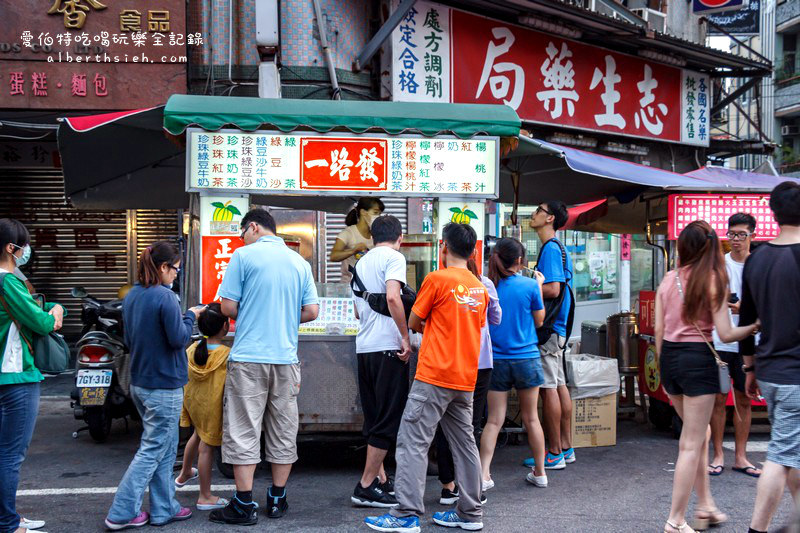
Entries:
{"x":428,"y":406}
{"x":260,"y":395}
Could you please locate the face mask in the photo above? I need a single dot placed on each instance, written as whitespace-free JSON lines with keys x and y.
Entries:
{"x":26,"y":255}
{"x":370,"y":218}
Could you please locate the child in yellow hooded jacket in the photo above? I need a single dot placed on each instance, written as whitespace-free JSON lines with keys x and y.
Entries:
{"x":202,"y":403}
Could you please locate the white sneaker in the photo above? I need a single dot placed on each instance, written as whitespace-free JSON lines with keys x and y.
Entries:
{"x":539,"y":481}
{"x":487,"y":484}
{"x":31,"y":524}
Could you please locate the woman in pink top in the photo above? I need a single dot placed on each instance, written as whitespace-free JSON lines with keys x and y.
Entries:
{"x":690,"y":302}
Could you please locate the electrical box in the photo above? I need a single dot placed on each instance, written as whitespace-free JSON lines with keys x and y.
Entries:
{"x":267,"y":23}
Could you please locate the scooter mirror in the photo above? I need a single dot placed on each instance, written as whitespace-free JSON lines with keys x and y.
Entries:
{"x":79,"y":292}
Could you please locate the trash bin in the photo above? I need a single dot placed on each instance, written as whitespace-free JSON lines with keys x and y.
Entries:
{"x":622,"y":344}
{"x":593,"y":338}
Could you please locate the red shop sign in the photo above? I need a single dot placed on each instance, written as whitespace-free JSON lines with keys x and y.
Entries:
{"x":343,"y":164}
{"x":216,"y":253}
{"x":716,"y":209}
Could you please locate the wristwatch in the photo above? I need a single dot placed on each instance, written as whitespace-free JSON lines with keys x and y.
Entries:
{"x":746,"y":368}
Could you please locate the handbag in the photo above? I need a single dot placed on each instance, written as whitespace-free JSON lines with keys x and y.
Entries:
{"x":50,"y":352}
{"x":723,"y":372}
{"x":377,"y":300}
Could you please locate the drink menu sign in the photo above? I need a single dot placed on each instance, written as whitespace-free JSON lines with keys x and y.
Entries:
{"x":275,"y":163}
{"x":440,"y":54}
{"x":716,"y":209}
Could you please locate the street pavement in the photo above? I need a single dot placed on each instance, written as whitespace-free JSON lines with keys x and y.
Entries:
{"x":625,"y":488}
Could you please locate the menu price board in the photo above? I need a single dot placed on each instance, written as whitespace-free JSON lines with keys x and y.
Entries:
{"x":336,"y":316}
{"x":716,"y":209}
{"x":265,"y":162}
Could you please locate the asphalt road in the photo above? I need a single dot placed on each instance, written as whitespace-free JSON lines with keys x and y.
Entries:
{"x":625,"y":488}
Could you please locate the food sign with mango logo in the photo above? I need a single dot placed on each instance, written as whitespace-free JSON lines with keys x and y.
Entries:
{"x":462,"y":215}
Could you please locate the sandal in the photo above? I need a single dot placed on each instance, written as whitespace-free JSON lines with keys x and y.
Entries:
{"x":683,"y":528}
{"x":712,"y":517}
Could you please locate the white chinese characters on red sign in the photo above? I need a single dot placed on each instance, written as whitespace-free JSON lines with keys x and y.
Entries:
{"x":716,"y":209}
{"x":545,"y":78}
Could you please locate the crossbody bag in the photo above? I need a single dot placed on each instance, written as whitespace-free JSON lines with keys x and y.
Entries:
{"x":377,"y":300}
{"x":50,"y":352}
{"x":723,"y":372}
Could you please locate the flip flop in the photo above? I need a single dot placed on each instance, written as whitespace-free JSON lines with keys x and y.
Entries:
{"x":195,"y":475}
{"x":748,"y":471}
{"x":715,"y":470}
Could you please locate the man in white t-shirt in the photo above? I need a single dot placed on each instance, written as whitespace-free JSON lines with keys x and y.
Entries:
{"x":382,"y":349}
{"x":741,"y":229}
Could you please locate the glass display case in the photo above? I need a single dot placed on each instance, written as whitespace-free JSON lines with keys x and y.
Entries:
{"x":336,"y":312}
{"x":419,"y":251}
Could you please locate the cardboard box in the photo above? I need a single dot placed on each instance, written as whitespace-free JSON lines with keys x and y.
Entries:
{"x":594,"y":422}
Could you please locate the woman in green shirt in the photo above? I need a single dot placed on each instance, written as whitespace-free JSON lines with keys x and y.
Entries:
{"x":19,"y":377}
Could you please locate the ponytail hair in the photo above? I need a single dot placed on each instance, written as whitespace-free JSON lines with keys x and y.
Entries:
{"x":699,"y":250}
{"x":152,"y":258}
{"x":211,"y":322}
{"x":366,"y":203}
{"x":507,"y":251}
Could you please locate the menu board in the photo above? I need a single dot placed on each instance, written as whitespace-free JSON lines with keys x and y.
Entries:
{"x":716,"y":209}
{"x":275,"y":163}
{"x":336,"y":317}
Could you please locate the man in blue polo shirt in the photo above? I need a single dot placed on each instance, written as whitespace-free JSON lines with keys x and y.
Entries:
{"x":556,"y":266}
{"x":270,"y":291}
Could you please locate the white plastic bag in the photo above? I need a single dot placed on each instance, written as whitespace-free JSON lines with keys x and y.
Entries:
{"x":591,"y":376}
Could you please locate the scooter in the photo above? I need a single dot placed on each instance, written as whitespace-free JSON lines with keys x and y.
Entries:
{"x":102,"y":363}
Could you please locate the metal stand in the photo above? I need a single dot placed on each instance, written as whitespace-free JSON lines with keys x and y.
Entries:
{"x":75,"y":433}
{"x":627,"y":401}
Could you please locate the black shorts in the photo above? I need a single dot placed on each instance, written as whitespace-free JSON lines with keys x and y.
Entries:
{"x":688,"y":368}
{"x":383,"y":382}
{"x":735,"y":363}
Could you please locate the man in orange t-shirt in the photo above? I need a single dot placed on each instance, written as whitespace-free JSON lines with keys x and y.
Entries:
{"x":451,"y":307}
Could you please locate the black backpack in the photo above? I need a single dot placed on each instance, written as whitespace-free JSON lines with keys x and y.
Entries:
{"x":552,"y":306}
{"x":377,"y":300}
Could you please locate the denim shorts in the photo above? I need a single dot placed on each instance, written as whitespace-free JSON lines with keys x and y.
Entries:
{"x":517,"y":373}
{"x":688,"y":368}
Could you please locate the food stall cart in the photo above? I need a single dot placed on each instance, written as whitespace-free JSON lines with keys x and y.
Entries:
{"x":247,"y":152}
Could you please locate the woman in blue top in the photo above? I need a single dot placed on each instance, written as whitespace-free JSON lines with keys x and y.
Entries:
{"x":516,"y":355}
{"x":157,"y":335}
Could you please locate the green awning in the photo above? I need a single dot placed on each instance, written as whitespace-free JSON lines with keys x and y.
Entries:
{"x":249,"y":114}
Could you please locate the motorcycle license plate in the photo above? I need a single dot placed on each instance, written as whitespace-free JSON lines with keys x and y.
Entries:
{"x":93,"y":378}
{"x":93,"y":396}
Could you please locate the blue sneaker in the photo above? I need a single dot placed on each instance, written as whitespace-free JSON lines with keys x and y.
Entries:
{"x":554,"y":462}
{"x":569,"y":456}
{"x":530,"y":462}
{"x":387,"y":522}
{"x":451,"y":519}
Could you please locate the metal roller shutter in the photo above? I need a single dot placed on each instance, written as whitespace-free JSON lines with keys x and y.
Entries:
{"x":70,"y":247}
{"x":152,"y":225}
{"x":334,"y":224}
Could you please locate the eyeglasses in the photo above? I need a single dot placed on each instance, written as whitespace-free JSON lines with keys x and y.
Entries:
{"x":541,"y":209}
{"x":738,"y":235}
{"x":244,"y":231}
{"x":176,"y":269}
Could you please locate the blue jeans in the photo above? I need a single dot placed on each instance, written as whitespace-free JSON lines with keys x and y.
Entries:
{"x":19,"y":405}
{"x":152,"y":465}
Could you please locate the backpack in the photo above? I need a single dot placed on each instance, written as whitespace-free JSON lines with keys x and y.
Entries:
{"x":377,"y":300}
{"x":552,"y":306}
{"x":50,"y":352}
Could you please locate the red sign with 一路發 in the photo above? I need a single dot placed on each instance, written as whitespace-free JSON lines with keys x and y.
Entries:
{"x":716,"y":209}
{"x":343,"y":164}
{"x":552,"y":80}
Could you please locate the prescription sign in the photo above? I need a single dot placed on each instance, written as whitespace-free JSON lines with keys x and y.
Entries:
{"x":266,"y":163}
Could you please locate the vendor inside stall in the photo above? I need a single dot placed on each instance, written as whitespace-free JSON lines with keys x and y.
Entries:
{"x":356,"y":239}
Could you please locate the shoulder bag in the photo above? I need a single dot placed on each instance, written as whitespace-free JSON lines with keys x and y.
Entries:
{"x":723,"y":373}
{"x":50,"y":352}
{"x":377,"y":300}
{"x":552,"y":306}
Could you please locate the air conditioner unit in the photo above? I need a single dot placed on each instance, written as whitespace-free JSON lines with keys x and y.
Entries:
{"x":656,"y":20}
{"x":790,"y":129}
{"x":600,"y":7}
